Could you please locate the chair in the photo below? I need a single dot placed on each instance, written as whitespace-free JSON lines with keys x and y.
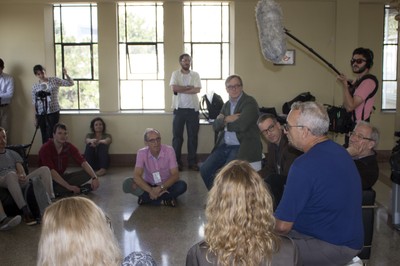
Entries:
{"x":368,"y":213}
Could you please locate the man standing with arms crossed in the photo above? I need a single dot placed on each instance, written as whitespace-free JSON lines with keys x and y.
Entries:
{"x":185,"y":84}
{"x":6,"y":93}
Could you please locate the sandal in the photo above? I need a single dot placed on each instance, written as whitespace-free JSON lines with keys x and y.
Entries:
{"x":169,"y":202}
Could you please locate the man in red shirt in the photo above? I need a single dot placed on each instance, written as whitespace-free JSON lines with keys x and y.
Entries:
{"x":55,"y":154}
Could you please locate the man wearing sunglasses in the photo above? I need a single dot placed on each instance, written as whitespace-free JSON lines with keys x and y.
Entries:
{"x":321,"y":205}
{"x":359,"y":94}
{"x":280,"y":155}
{"x":363,"y":140}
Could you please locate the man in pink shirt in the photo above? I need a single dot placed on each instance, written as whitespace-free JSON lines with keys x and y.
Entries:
{"x":359,"y":94}
{"x":156,"y":175}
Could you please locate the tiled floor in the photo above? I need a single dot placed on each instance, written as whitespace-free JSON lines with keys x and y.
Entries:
{"x":169,"y":232}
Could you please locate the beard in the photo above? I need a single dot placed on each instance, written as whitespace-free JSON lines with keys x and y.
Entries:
{"x":359,"y":70}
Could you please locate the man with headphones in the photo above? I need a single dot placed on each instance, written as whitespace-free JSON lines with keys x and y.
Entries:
{"x":359,"y":94}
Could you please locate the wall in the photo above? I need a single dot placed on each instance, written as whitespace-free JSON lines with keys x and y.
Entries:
{"x":331,"y":28}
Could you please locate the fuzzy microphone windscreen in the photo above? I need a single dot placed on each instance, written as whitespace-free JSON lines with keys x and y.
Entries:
{"x":271,"y":30}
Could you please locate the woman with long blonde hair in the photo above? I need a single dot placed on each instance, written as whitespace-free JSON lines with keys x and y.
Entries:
{"x":240,"y":223}
{"x":75,"y":231}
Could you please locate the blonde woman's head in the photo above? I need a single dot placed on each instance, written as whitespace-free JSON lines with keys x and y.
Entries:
{"x":75,"y":231}
{"x":240,"y":221}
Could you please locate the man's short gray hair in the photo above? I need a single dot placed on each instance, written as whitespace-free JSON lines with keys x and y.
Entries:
{"x":374,"y":131}
{"x":313,"y":116}
{"x":148,"y":130}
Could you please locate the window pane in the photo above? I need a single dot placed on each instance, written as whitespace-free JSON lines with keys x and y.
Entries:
{"x":121,"y":23}
{"x":131,"y":94}
{"x":389,"y":94}
{"x":160,"y":49}
{"x":389,"y":68}
{"x":206,"y":30}
{"x":153,"y":94}
{"x":78,"y":61}
{"x":58,"y":61}
{"x":202,"y":63}
{"x":68,"y":97}
{"x":389,"y":62}
{"x":57,"y":24}
{"x":142,"y":62}
{"x":187,"y":17}
{"x":141,"y":23}
{"x":391,"y":25}
{"x":76,"y":30}
{"x":218,"y":86}
{"x":160,"y":23}
{"x":89,"y":94}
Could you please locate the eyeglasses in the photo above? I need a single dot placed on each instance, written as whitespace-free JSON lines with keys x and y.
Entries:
{"x":358,"y":136}
{"x":287,"y":127}
{"x":269,"y":129}
{"x":154,"y":141}
{"x":236,"y":86}
{"x":358,"y":61}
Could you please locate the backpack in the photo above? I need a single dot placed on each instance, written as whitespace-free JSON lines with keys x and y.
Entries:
{"x":211,"y":110}
{"x":302,"y":97}
{"x":340,"y":121}
{"x":36,"y":197}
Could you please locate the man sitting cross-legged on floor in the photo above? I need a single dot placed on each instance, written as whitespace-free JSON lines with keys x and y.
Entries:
{"x":13,"y":178}
{"x":156,"y":175}
{"x":55,"y":154}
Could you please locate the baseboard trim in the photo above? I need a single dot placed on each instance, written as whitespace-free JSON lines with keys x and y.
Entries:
{"x":116,"y":160}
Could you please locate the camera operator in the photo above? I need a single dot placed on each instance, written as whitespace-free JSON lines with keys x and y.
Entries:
{"x":45,"y":100}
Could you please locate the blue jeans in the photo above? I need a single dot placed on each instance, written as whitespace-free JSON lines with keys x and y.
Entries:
{"x":221,"y":155}
{"x":97,"y":156}
{"x":189,"y":117}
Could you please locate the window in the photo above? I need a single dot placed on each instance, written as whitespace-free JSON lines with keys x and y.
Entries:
{"x":76,"y":49}
{"x":207,"y":41}
{"x":141,"y":56}
{"x":390,"y":45}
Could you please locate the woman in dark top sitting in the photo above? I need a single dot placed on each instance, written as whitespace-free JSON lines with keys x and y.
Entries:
{"x":97,"y":144}
{"x":240,"y":223}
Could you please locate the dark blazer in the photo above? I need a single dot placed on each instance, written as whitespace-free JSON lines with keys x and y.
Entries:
{"x":283,"y":155}
{"x":286,"y":256}
{"x":245,"y":127}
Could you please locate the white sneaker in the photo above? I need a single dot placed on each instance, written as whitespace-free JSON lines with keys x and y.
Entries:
{"x":9,"y":223}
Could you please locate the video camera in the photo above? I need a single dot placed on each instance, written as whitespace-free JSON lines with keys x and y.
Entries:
{"x":42,"y":94}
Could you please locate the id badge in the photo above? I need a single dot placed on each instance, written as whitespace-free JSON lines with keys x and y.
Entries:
{"x":157,"y":177}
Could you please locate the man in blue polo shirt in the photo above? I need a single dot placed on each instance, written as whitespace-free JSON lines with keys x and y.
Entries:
{"x":321,"y":204}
